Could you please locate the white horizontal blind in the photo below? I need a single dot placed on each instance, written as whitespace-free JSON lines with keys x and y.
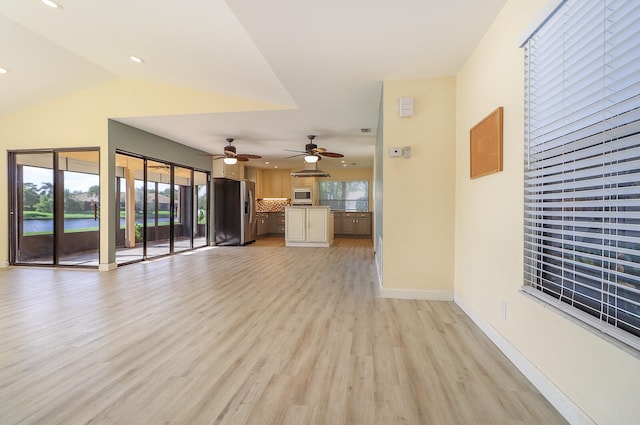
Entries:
{"x":582,"y":163}
{"x":348,"y":195}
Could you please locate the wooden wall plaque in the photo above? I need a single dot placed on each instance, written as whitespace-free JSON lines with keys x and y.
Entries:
{"x":486,"y":145}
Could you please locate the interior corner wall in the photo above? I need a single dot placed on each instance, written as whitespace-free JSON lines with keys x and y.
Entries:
{"x":598,"y":378}
{"x":418,"y":208}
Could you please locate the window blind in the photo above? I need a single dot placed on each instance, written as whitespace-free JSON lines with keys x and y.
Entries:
{"x":582,"y":164}
{"x":348,"y":195}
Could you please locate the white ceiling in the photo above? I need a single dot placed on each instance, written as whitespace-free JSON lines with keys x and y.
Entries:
{"x":322,"y":61}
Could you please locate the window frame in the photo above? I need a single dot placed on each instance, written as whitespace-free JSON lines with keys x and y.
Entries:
{"x":538,"y":259}
{"x":327,"y":202}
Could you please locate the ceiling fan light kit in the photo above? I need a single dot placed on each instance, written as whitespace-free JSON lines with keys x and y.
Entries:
{"x":311,"y":158}
{"x":230,"y":155}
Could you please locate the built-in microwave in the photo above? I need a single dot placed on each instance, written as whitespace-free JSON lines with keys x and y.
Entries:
{"x":302,"y":196}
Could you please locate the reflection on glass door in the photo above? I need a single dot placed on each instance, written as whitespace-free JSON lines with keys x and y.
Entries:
{"x":182,"y":209}
{"x":32,"y":209}
{"x":79,"y":181}
{"x":55,"y":207}
{"x":201,"y":210}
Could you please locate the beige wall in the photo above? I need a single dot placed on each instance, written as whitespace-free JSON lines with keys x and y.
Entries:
{"x":418,"y":207}
{"x":80,"y":120}
{"x":601,"y":379}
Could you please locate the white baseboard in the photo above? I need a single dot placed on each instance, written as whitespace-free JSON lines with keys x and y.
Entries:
{"x":416,"y":294}
{"x":105,"y":267}
{"x":563,"y":404}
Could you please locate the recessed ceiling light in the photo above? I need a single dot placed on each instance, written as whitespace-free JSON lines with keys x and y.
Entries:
{"x":267,"y":162}
{"x":275,"y":166}
{"x":3,"y":71}
{"x":136,"y":59}
{"x":51,"y":3}
{"x":342,"y":161}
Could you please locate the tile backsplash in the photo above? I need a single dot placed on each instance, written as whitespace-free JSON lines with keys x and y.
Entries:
{"x":263,"y":205}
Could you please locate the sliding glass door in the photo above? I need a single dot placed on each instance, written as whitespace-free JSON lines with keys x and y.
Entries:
{"x":32,"y":208}
{"x":54,"y":208}
{"x":182,"y":208}
{"x":201,"y":210}
{"x":162,"y":209}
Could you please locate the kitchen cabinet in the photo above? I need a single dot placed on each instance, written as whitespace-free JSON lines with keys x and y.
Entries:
{"x":276,"y":184}
{"x":353,"y":224}
{"x":220,"y":169}
{"x":255,"y":175}
{"x":276,"y":222}
{"x":262,"y":223}
{"x":302,"y":181}
{"x":308,"y":226}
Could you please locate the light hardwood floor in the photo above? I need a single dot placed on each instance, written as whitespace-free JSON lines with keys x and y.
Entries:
{"x":260,"y":334}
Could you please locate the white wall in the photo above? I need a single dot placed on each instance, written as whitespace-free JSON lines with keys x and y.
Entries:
{"x":598,"y":377}
{"x":418,"y":206}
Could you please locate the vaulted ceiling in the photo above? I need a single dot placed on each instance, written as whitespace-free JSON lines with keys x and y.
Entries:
{"x":320,"y":64}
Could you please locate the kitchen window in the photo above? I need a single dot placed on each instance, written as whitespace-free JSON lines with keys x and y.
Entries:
{"x":582,"y":164}
{"x":347,"y":195}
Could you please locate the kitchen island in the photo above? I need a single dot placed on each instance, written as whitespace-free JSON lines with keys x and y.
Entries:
{"x":308,"y":226}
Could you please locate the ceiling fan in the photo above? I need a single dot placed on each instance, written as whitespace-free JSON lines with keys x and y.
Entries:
{"x":230,"y":156}
{"x":312,"y":153}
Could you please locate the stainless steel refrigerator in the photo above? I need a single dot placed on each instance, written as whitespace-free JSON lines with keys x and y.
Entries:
{"x":234,"y":211}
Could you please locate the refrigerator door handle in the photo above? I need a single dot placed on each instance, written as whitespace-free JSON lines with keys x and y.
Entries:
{"x":250,"y":206}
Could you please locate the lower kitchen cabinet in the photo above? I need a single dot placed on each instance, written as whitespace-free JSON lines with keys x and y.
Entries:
{"x":276,"y":222}
{"x":309,"y":226}
{"x":353,"y":224}
{"x":262,"y":220}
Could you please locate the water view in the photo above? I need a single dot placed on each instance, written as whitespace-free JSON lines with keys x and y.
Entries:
{"x":46,"y":225}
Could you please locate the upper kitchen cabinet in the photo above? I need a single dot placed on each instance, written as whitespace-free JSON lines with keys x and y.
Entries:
{"x":302,"y":182}
{"x":235,"y":171}
{"x":276,"y":184}
{"x":255,"y":175}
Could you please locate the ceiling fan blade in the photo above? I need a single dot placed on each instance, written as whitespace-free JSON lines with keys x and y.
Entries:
{"x":319,"y":150}
{"x":331,"y":154}
{"x":294,"y":156}
{"x":212,"y":155}
{"x":248,"y":156}
{"x":291,"y":150}
{"x":242,"y":158}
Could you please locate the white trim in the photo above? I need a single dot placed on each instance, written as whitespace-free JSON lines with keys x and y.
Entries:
{"x":416,"y":294}
{"x":563,"y":404}
{"x":378,"y":256}
{"x":105,"y":267}
{"x":546,"y":13}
